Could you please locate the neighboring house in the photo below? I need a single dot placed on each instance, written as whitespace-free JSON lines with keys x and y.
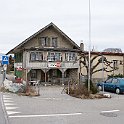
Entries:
{"x":49,"y":55}
{"x":113,"y":50}
{"x":116,"y":65}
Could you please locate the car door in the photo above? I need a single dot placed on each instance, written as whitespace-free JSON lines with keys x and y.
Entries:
{"x":107,"y":84}
{"x":115,"y":82}
{"x":112,"y":86}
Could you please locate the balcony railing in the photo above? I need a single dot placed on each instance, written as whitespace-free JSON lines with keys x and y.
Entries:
{"x":53,"y":65}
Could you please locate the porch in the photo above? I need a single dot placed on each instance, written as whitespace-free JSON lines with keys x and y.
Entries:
{"x":52,"y":76}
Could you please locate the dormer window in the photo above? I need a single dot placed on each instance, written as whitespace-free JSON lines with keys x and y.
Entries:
{"x":54,"y":41}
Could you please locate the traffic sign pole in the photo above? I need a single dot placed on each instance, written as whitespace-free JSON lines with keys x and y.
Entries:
{"x":5,"y":62}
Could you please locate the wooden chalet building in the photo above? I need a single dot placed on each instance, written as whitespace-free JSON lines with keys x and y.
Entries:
{"x":49,"y":55}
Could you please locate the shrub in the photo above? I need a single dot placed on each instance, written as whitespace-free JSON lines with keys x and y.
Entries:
{"x":118,"y":75}
{"x":93,"y":89}
{"x":78,"y":90}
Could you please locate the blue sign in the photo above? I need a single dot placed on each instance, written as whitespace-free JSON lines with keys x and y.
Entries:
{"x":5,"y":60}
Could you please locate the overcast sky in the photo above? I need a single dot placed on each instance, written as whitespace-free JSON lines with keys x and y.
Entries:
{"x":19,"y":19}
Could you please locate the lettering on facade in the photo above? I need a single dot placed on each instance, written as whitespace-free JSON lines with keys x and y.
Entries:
{"x":54,"y":65}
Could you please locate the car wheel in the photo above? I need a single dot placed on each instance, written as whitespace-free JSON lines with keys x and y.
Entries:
{"x":117,"y":90}
{"x":99,"y":88}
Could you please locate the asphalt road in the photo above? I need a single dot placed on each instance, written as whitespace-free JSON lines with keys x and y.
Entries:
{"x":3,"y":119}
{"x":52,"y":107}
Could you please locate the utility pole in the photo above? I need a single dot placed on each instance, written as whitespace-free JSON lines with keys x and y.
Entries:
{"x":89,"y":64}
{"x":103,"y":72}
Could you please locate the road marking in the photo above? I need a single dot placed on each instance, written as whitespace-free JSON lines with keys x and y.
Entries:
{"x":8,"y":104}
{"x":10,"y":108}
{"x":12,"y":112}
{"x":5,"y":95}
{"x":110,"y":111}
{"x":57,"y":99}
{"x":5,"y":98}
{"x":49,"y":115}
{"x":8,"y":101}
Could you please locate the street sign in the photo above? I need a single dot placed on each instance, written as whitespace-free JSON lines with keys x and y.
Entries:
{"x":5,"y":60}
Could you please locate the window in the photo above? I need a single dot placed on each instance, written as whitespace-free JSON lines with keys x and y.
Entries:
{"x":121,"y":62}
{"x":54,"y":56}
{"x":18,"y":57}
{"x":109,"y":80}
{"x":115,"y":64}
{"x":114,"y":81}
{"x":51,"y":56}
{"x":54,"y":42}
{"x":44,"y":41}
{"x":33,"y":56}
{"x":70,"y":56}
{"x":36,"y":56}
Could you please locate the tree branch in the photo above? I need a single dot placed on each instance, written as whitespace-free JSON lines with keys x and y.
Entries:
{"x":94,"y":58}
{"x":99,"y":70}
{"x":96,"y":65}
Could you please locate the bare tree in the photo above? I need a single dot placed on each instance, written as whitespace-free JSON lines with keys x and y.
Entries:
{"x":99,"y":58}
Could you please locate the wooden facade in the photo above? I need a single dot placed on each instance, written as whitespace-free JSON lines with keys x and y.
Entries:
{"x":49,"y":55}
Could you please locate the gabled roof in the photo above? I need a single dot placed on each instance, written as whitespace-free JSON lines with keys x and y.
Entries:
{"x":40,"y":31}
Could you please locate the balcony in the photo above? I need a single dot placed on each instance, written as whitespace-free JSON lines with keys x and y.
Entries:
{"x":43,"y":65}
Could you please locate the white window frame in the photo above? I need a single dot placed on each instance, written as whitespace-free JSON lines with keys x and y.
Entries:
{"x":70,"y":56}
{"x":36,"y":56}
{"x":54,"y":56}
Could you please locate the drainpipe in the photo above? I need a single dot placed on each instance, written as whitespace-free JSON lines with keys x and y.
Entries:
{"x":80,"y":72}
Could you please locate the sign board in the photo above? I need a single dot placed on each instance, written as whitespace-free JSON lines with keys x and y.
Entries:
{"x":5,"y":60}
{"x":54,"y":65}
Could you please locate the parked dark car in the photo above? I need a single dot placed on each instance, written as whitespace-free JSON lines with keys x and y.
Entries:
{"x":112,"y":84}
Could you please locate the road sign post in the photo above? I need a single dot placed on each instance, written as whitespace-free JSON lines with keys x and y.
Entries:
{"x":5,"y":62}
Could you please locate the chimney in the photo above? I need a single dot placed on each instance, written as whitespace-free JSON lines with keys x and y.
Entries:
{"x":82,"y":45}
